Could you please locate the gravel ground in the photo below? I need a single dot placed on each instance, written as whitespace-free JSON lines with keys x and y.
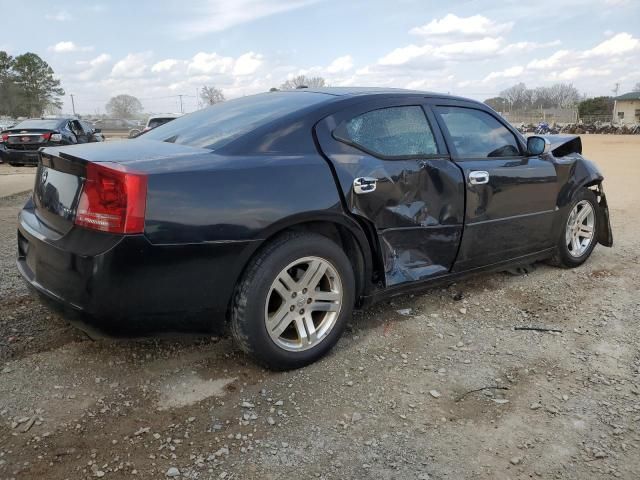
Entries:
{"x":435,"y":386}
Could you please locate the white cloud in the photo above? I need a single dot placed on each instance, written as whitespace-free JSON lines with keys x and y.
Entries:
{"x":510,"y":72}
{"x":165,"y":65}
{"x":67,"y":47}
{"x":475,"y":49}
{"x":522,"y":47}
{"x":220,"y":15}
{"x":484,"y":46}
{"x":619,"y":44}
{"x":100,"y":59}
{"x":61,"y":16}
{"x":133,"y":65}
{"x":573,"y":73}
{"x":91,"y":69}
{"x":403,"y":55}
{"x":247,"y":64}
{"x":452,"y":25}
{"x":550,"y":62}
{"x":341,"y":64}
{"x":209,"y":63}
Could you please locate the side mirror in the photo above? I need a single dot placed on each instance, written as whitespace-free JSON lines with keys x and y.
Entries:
{"x":536,"y":145}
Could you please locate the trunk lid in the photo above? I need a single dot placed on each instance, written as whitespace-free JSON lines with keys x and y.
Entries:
{"x":57,"y":190}
{"x":62,"y":173}
{"x":31,"y":139}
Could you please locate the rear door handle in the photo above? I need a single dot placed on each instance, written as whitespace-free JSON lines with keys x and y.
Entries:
{"x":478,"y":177}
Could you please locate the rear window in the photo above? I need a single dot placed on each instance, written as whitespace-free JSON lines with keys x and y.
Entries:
{"x":220,"y":124}
{"x":44,"y":124}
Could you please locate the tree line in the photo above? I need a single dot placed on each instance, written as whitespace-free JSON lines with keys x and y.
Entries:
{"x":560,"y":95}
{"x":28,"y":87}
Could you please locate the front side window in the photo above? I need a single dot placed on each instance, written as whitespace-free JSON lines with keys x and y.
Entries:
{"x":477,"y":134}
{"x":390,"y":132}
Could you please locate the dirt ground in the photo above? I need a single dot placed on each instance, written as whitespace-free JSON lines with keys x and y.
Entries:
{"x":444,"y":390}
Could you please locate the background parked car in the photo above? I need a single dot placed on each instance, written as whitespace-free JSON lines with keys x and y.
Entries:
{"x":153,"y":122}
{"x":22,"y":142}
{"x":115,"y":125}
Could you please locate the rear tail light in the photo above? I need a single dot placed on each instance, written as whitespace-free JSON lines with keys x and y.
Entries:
{"x":46,"y":136}
{"x":113,"y":199}
{"x":5,"y":138}
{"x":56,"y":137}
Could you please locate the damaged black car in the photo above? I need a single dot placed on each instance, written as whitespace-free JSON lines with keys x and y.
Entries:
{"x":20,"y":143}
{"x":278,"y":214}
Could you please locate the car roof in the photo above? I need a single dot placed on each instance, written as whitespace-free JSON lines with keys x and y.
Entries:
{"x":372,"y":91}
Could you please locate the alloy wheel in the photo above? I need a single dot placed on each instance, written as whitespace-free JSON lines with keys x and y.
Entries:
{"x":303,"y":304}
{"x":580,"y":230}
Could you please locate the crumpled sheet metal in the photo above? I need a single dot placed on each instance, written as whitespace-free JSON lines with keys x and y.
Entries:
{"x":416,"y":254}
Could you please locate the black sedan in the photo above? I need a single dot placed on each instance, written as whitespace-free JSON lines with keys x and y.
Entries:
{"x":279,"y":213}
{"x":22,"y":141}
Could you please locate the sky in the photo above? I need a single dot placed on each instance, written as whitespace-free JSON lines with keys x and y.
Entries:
{"x":158,"y":50}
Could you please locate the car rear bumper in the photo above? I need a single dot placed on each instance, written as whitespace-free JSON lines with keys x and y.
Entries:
{"x":19,"y":157}
{"x":126,"y":286}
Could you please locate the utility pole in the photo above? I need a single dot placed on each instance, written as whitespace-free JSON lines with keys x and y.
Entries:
{"x":616,"y":89}
{"x":73,"y":105}
{"x":181,"y":110}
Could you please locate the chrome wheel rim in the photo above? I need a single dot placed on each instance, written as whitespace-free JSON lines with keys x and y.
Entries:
{"x":303,"y":304}
{"x":580,"y":228}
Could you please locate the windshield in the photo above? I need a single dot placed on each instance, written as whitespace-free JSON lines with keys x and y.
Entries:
{"x":36,"y":123}
{"x":216,"y":126}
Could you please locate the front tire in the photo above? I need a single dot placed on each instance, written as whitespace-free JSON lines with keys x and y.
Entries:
{"x":578,"y":237}
{"x":293,"y":302}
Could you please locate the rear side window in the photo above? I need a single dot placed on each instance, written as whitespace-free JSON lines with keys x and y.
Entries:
{"x":390,"y":132}
{"x":217,"y":125}
{"x":476,"y":134}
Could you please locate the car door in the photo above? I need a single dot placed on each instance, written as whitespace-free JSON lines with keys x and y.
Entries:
{"x":510,"y":196}
{"x":81,"y":135}
{"x":396,"y":177}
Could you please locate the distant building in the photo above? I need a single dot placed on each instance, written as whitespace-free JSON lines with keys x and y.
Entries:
{"x":626,"y":109}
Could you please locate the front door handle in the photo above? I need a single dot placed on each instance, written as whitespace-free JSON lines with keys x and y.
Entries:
{"x":478,"y":177}
{"x":364,"y":185}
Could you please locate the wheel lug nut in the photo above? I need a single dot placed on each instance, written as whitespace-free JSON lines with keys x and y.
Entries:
{"x":294,"y":295}
{"x":308,"y":300}
{"x":292,"y":308}
{"x":301,"y":311}
{"x":304,"y":290}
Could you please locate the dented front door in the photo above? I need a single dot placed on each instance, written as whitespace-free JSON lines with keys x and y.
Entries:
{"x":415,"y":202}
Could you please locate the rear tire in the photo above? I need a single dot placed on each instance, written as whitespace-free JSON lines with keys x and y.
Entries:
{"x":294,"y":300}
{"x":580,"y":220}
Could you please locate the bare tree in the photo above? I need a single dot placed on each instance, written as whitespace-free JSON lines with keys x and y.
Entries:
{"x":560,"y":95}
{"x":211,"y":95}
{"x":123,"y":106}
{"x":518,"y":96}
{"x":636,"y":87}
{"x":303,"y":81}
{"x":564,"y":95}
